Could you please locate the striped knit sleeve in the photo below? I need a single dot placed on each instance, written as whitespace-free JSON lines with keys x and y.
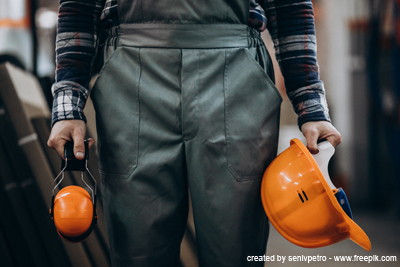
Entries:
{"x":75,"y":50}
{"x":291,"y":25}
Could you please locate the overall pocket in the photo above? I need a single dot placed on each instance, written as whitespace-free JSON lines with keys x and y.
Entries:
{"x":116,"y":101}
{"x":252,"y":110}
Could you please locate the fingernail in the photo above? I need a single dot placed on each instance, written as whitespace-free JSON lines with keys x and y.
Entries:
{"x":79,"y":154}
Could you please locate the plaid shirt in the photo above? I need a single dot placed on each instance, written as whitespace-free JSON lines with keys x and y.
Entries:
{"x":290,"y":23}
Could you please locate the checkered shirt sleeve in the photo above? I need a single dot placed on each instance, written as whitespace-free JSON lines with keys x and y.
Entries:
{"x":76,"y":45}
{"x":291,"y":25}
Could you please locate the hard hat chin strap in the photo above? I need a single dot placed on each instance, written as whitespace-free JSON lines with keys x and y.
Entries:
{"x":325,"y":153}
{"x":322,"y":158}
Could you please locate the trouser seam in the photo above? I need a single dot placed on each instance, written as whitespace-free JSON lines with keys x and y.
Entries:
{"x":225,"y":106}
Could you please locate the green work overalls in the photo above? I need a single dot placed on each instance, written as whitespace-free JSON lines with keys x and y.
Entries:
{"x":185,"y":99}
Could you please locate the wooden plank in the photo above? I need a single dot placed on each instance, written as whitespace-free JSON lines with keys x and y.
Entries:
{"x":32,"y":198}
{"x":19,"y":250}
{"x":28,"y":230}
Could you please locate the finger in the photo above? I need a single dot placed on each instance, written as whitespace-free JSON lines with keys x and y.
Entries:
{"x":332,"y":135}
{"x":57,"y":144}
{"x":60,"y":148}
{"x":312,"y":138}
{"x":335,"y":139}
{"x":79,"y":146}
{"x":90,"y":142}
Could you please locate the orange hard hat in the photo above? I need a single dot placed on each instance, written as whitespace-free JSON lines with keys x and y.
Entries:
{"x":303,"y":204}
{"x":73,"y":213}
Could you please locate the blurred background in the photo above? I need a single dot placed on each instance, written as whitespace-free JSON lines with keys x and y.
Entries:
{"x":359,"y":59}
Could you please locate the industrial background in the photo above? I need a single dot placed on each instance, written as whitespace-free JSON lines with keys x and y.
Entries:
{"x":359,"y":59}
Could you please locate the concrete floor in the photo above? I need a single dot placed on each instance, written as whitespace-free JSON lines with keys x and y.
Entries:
{"x":383,"y":231}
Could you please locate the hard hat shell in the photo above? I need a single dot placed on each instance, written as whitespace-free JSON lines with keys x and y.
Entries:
{"x":301,"y":204}
{"x":73,"y":213}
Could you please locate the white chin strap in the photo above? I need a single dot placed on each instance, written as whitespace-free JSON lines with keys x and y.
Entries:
{"x":326,"y":151}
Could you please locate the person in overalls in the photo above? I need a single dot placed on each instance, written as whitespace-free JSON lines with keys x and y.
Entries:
{"x":185,"y":98}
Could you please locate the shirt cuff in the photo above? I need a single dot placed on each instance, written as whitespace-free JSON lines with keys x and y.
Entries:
{"x":68,"y":104}
{"x":315,"y":116}
{"x":311,"y":105}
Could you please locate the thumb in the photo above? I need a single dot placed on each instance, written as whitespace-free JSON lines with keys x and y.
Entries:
{"x":79,"y":146}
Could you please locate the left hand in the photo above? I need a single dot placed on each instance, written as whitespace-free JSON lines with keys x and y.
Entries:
{"x":315,"y":130}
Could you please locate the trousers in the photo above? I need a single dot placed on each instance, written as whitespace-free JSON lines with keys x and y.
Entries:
{"x":177,"y":107}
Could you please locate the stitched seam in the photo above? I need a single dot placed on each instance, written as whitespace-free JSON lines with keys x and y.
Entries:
{"x":106,"y":62}
{"x":239,"y":177}
{"x":138,"y":107}
{"x":128,"y":173}
{"x":196,"y":100}
{"x":181,"y":96}
{"x":137,"y":114}
{"x":268,"y":79}
{"x":225,"y":109}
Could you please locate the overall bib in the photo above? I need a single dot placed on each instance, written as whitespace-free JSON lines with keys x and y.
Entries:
{"x":185,"y":99}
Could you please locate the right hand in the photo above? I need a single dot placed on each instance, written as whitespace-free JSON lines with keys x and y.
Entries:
{"x":69,"y":130}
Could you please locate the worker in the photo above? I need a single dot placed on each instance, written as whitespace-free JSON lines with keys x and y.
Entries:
{"x":185,"y":99}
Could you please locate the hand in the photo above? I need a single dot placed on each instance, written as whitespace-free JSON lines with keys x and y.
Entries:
{"x":315,"y":130}
{"x":69,"y":130}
